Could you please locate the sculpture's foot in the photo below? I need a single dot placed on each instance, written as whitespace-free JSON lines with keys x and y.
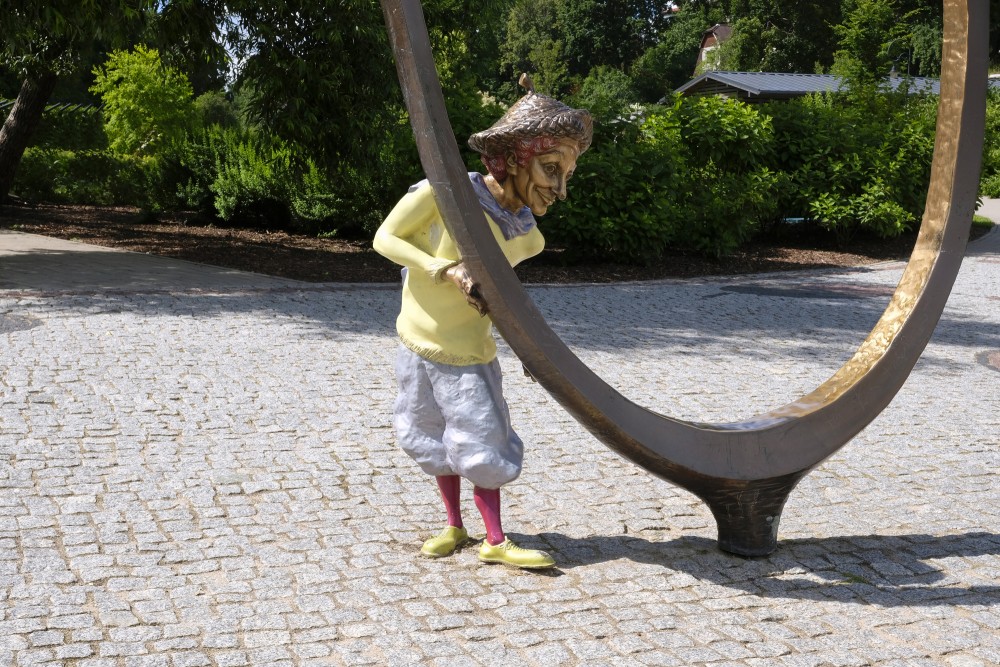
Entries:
{"x":444,"y":543}
{"x":509,"y":553}
{"x":747,"y":513}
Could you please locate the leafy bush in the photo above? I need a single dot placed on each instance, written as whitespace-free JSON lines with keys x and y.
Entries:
{"x":618,"y":206}
{"x":872,"y":210}
{"x":726,"y":184}
{"x":252,"y":177}
{"x":182,"y":174}
{"x":76,"y":129}
{"x":707,"y":174}
{"x":854,"y":163}
{"x":990,"y":179}
{"x":686,"y":175}
{"x":313,"y":202}
{"x":904,"y":155}
{"x":80,"y":177}
{"x":245,"y":178}
{"x":147,"y":105}
{"x":607,"y":92}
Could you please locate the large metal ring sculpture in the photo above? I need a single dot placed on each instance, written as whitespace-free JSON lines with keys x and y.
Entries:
{"x":744,"y":471}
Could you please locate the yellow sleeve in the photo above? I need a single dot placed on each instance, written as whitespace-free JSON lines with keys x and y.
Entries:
{"x":521,"y":247}
{"x":398,"y":238}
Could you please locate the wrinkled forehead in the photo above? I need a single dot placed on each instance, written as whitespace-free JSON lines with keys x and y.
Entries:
{"x":565,"y":148}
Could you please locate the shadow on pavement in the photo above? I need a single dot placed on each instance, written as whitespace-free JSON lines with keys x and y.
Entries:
{"x":886,"y":571}
{"x":79,"y":268}
{"x":606,"y":318}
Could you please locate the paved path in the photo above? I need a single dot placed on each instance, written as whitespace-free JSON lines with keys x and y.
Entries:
{"x":197,"y":468}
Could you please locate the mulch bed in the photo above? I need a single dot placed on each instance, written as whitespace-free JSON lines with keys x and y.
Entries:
{"x":278,"y":253}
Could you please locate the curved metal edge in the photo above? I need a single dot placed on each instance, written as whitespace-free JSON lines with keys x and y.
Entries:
{"x":514,"y":314}
{"x":867,"y":383}
{"x":784,"y":442}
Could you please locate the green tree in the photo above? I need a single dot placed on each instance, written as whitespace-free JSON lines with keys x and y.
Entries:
{"x":146,"y":104}
{"x":532,"y":44}
{"x":468,"y":108}
{"x":781,"y":36}
{"x":320,"y":79}
{"x":606,"y":91}
{"x":42,"y":41}
{"x":870,"y":36}
{"x":191,"y":36}
{"x":561,"y":41}
{"x":480,"y":25}
{"x":671,"y":62}
{"x":608,"y":32}
{"x":465,"y":37}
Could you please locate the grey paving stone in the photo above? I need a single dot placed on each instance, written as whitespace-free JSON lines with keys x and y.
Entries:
{"x":205,"y":473}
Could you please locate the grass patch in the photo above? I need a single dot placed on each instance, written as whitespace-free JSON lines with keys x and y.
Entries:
{"x":980,"y":221}
{"x":849,"y":578}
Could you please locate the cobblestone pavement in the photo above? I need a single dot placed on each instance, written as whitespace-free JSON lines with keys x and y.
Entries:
{"x":200,"y":470}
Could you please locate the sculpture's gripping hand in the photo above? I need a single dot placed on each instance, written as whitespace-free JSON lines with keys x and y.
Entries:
{"x":460,"y":276}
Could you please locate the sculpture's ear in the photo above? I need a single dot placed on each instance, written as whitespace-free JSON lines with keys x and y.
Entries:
{"x":512,"y":165}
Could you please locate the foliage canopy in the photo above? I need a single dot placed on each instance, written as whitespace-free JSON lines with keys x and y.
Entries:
{"x":299,"y":113}
{"x":146,"y":103}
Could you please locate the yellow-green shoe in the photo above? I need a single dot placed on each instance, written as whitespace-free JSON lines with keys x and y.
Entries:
{"x":445,"y":542}
{"x":509,"y":553}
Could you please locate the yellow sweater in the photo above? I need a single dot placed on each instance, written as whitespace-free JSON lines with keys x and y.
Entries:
{"x":435,"y":321}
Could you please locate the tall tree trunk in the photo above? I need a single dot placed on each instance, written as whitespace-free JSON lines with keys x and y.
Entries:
{"x":20,"y":125}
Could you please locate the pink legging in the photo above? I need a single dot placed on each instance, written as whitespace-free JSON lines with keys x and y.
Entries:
{"x":487,"y":501}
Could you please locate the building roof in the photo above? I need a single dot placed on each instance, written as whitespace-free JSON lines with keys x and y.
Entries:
{"x":754,"y":86}
{"x":721,"y":31}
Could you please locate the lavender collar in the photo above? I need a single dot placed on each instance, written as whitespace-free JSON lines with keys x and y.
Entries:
{"x":510,"y":224}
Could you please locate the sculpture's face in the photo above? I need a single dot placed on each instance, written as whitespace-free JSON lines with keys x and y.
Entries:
{"x":543,"y":180}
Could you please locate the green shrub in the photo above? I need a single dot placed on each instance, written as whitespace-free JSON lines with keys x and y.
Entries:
{"x":147,"y":105}
{"x":854,"y":163}
{"x":607,"y":92}
{"x":242,"y":177}
{"x":808,"y":132}
{"x":181,"y":176}
{"x":314,"y":203}
{"x":990,"y":179}
{"x":686,"y":175}
{"x":252,"y":179}
{"x":80,"y":177}
{"x":723,"y":131}
{"x":618,"y":206}
{"x":989,"y":186}
{"x":76,"y":130}
{"x":874,"y":210}
{"x":903,"y":161}
{"x":708,"y":174}
{"x":725,"y":185}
